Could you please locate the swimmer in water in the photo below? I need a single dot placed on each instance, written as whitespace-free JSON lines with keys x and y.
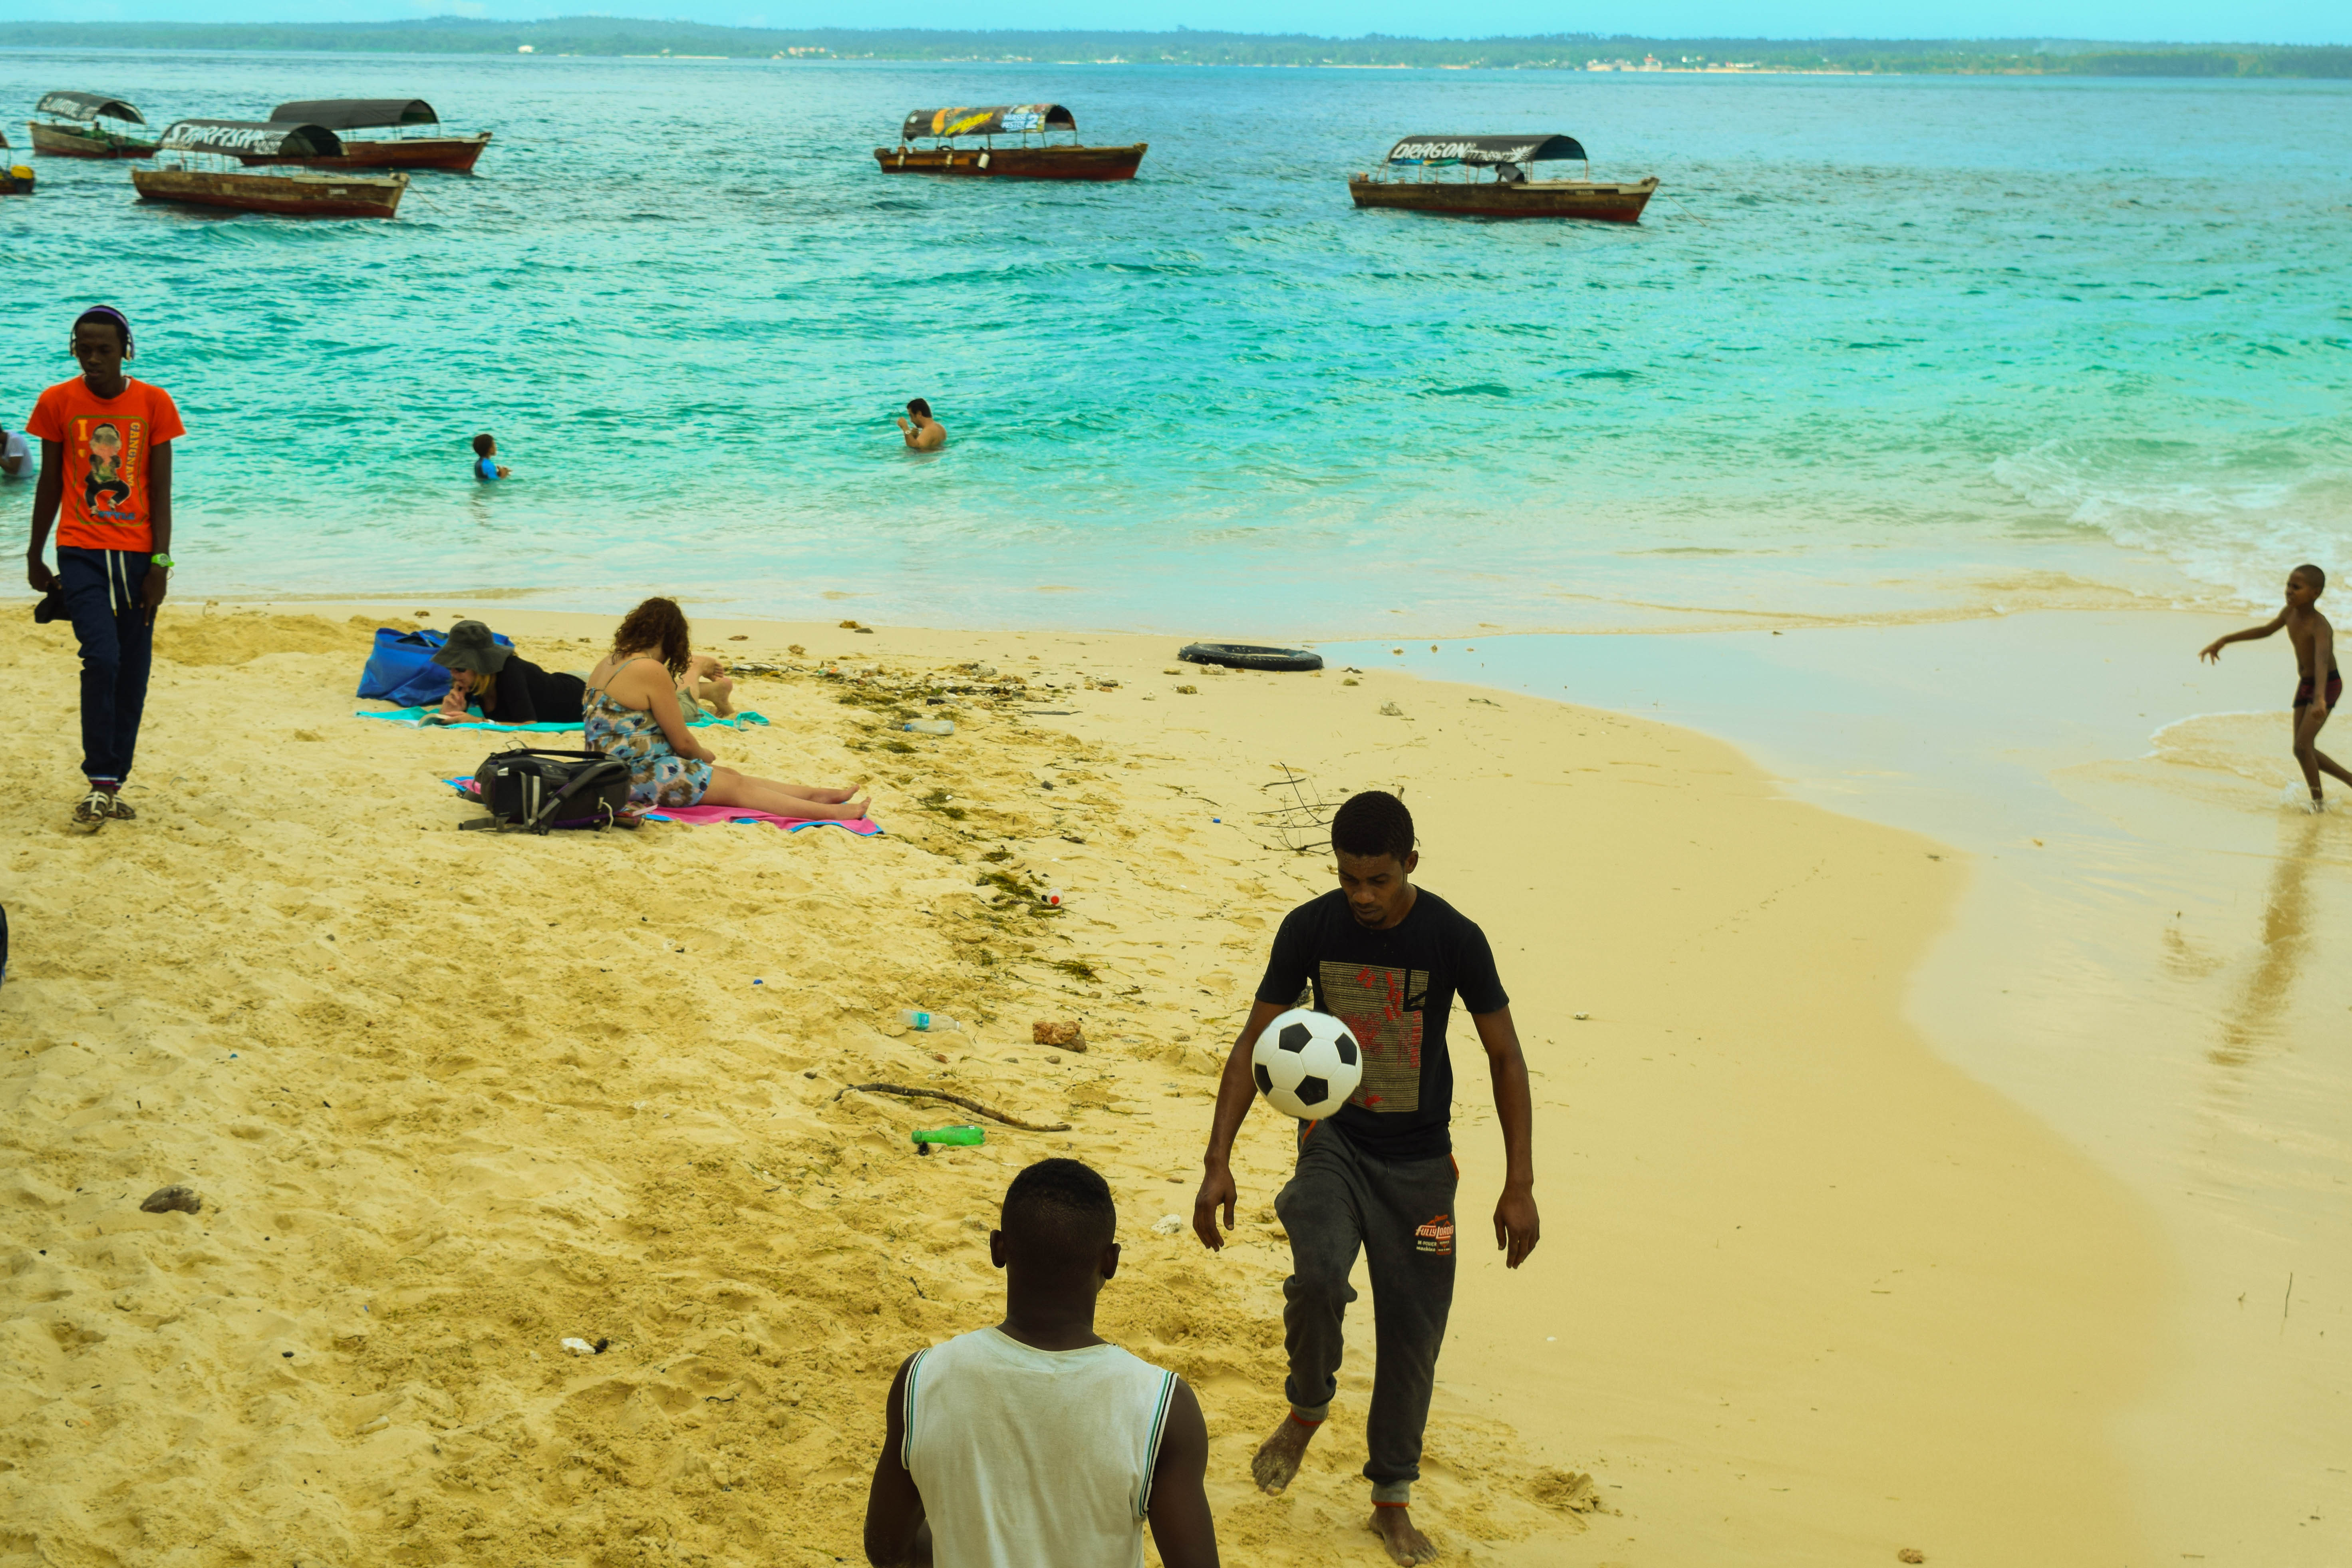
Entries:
{"x":487,"y":466}
{"x":925,"y":434}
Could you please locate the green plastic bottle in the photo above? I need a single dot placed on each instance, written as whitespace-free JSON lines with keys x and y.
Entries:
{"x":963,"y":1137}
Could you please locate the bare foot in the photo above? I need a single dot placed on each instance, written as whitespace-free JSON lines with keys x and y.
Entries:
{"x":1405,"y":1544}
{"x":817,"y":808}
{"x":1276,"y":1459}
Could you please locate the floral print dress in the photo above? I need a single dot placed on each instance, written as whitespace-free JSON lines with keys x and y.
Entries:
{"x":658,"y":775}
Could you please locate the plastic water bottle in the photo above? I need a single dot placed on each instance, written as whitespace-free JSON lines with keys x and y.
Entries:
{"x":960,"y":1137}
{"x":929,"y":1023}
{"x":929,"y":726}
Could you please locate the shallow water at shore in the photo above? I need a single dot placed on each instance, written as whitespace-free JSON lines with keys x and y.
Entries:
{"x":2151,"y":957}
{"x":1882,"y":347}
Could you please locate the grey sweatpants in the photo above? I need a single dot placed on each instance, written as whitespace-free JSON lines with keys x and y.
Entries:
{"x":1401,"y":1214}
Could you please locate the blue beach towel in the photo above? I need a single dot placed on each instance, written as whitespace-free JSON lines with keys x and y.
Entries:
{"x":413,"y":718}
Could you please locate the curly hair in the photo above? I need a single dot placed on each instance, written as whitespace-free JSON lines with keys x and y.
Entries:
{"x":1373,"y":823}
{"x":657,"y":626}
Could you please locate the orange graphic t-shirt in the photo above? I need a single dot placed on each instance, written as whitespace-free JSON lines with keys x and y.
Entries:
{"x":108,"y":441}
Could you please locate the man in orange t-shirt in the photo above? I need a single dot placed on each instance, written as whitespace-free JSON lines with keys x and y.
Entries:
{"x":106,"y":485}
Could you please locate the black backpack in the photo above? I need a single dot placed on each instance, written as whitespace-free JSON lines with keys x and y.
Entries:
{"x":527,"y":788}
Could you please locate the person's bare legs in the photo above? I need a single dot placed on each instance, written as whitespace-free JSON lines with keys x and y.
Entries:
{"x":717,"y":694}
{"x":1392,"y":1523}
{"x":825,"y":792}
{"x":2309,"y":757}
{"x":729,"y":787}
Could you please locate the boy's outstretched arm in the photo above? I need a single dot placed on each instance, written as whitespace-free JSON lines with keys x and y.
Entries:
{"x":2211,"y":652}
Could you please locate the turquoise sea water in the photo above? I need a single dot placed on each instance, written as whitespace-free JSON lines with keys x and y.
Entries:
{"x":1881,"y":347}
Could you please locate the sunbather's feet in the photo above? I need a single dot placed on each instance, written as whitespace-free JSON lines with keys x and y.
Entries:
{"x":95,"y":808}
{"x":815,"y":808}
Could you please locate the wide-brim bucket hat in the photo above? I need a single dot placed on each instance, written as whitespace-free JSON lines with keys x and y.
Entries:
{"x":471,"y":647}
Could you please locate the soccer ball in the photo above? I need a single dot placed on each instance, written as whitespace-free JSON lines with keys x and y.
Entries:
{"x":1307,"y":1064}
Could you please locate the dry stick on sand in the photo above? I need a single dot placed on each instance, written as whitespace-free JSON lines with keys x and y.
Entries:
{"x":988,"y":1110}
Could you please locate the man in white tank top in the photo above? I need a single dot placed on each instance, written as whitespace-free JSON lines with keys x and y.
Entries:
{"x":1037,"y":1443}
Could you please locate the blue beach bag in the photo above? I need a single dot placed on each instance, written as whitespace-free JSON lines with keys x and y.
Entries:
{"x":401,"y":670}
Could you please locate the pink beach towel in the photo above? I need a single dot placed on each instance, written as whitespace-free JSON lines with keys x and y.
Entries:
{"x":713,"y":816}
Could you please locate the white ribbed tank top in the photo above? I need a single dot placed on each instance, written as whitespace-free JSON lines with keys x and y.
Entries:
{"x":1031,"y":1458}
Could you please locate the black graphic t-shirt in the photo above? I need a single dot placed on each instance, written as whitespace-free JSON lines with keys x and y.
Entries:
{"x":1393,"y":990}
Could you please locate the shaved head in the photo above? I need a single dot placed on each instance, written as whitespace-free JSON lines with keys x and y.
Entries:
{"x":1058,"y":1216}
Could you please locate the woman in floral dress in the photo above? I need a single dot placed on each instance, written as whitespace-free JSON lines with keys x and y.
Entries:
{"x":631,"y":713}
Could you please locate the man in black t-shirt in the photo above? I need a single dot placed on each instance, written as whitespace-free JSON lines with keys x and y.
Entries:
{"x":1388,"y":960}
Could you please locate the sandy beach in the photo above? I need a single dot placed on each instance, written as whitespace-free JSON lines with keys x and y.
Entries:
{"x":1807,"y":1292}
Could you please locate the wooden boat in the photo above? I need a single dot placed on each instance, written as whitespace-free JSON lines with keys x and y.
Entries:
{"x":1510,"y":193}
{"x":73,"y":130}
{"x":304,"y":194}
{"x":1023,"y":159}
{"x":15,"y":180}
{"x":453,"y":154}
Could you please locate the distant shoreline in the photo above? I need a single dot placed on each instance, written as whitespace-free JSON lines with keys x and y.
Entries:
{"x":625,"y":38}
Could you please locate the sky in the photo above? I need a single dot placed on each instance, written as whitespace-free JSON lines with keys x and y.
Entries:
{"x":2253,"y":21}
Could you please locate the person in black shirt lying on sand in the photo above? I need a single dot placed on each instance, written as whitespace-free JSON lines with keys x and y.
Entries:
{"x":507,"y":687}
{"x":1387,"y":959}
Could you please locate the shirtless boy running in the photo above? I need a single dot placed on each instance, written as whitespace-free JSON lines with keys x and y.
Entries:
{"x":2314,"y":650}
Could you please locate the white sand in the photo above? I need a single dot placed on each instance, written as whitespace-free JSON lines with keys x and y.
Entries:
{"x":1806,"y":1293}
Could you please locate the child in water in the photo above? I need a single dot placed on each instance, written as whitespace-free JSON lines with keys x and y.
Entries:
{"x":487,"y":467}
{"x":2314,"y":652}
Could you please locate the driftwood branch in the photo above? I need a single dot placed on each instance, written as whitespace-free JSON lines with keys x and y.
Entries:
{"x":972,"y":1105}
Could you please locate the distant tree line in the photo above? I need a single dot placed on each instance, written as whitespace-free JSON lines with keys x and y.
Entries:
{"x":614,"y":36}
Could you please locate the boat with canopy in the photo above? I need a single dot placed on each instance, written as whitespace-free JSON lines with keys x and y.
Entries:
{"x":1510,"y":191}
{"x":200,"y":168}
{"x":1022,"y":159}
{"x":455,"y":154}
{"x":73,"y":128}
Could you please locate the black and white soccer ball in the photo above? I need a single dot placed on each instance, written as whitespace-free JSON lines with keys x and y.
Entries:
{"x":1307,"y":1064}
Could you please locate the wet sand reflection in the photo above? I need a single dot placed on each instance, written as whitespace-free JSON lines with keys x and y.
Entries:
{"x":2253,"y":1021}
